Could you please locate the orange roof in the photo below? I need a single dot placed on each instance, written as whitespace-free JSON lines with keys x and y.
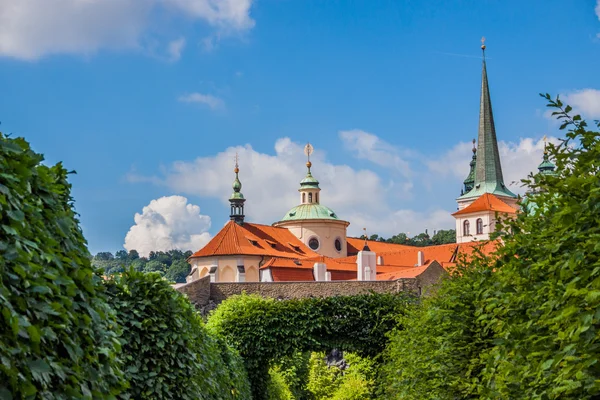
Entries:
{"x":407,"y":272}
{"x":308,"y":263}
{"x":487,"y":202}
{"x":356,"y":244}
{"x":255,"y":239}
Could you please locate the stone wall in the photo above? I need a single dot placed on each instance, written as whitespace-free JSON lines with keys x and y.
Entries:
{"x":198,"y":291}
{"x":201,"y":291}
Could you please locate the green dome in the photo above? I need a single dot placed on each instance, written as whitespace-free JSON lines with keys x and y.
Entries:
{"x":309,"y":211}
{"x":309,"y":181}
{"x":237,"y":187}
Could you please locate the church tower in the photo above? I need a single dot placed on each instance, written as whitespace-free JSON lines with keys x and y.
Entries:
{"x":237,"y":198}
{"x":485,"y":197}
{"x":488,"y":170}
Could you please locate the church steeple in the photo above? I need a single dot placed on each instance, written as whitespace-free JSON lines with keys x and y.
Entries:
{"x":546,"y":167}
{"x":236,"y":200}
{"x":469,"y":182}
{"x":488,"y":171}
{"x":309,"y":186}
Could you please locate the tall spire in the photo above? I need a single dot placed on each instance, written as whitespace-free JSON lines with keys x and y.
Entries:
{"x":488,"y":171}
{"x":236,"y":200}
{"x":469,"y":182}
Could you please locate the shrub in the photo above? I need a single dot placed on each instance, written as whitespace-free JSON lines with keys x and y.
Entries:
{"x":166,"y":350}
{"x":267,"y":330}
{"x":56,"y":329}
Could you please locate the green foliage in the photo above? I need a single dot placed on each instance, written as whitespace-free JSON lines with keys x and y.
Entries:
{"x":157,"y":261}
{"x":57,"y":333}
{"x":524,"y":324}
{"x":167,"y":352}
{"x":178,"y":271}
{"x":264,"y":330}
{"x":277,"y":386}
{"x":422,"y":239}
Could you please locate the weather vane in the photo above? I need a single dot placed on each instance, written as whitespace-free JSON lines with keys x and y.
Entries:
{"x":483,"y":43}
{"x":236,"y":158}
{"x":365,"y":230}
{"x":545,"y":139}
{"x":308,"y":150}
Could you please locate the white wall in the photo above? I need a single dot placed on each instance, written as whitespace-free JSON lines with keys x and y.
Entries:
{"x":226,"y":267}
{"x":326,"y":231}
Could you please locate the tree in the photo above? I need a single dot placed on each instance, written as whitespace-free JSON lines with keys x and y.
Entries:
{"x":104,"y":256}
{"x":133,"y":255}
{"x":156,"y":266}
{"x":57,"y":331}
{"x":444,"y":236}
{"x":121,"y":255}
{"x":523,"y":324}
{"x":178,"y":271}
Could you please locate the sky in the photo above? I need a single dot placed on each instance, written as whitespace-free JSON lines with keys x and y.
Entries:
{"x":149,"y":101}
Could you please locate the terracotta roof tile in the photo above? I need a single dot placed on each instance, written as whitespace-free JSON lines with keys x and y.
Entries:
{"x":235,"y":239}
{"x":487,"y":202}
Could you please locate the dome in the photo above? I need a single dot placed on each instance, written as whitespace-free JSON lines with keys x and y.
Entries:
{"x":309,"y":211}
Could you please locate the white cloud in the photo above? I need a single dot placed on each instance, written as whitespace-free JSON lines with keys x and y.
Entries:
{"x":175,"y":48}
{"x":361,"y":196}
{"x":168,"y":223}
{"x":584,"y":101}
{"x":598,"y":9}
{"x":30,"y":29}
{"x":370,"y":147}
{"x":517,"y":159}
{"x":214,"y":103}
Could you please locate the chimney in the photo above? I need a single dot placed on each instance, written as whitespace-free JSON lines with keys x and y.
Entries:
{"x":420,"y":258}
{"x":366,"y":262}
{"x":320,"y":271}
{"x":328,"y":276}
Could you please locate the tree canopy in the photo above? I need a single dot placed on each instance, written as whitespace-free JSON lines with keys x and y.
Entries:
{"x":525,"y":323}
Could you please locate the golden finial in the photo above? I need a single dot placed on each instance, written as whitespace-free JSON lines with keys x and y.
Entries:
{"x":483,"y":43}
{"x":474,"y":146}
{"x":545,"y":139}
{"x":237,"y":167}
{"x":365,"y":230}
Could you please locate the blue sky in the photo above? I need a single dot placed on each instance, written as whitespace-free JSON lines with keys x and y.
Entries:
{"x":148,"y":100}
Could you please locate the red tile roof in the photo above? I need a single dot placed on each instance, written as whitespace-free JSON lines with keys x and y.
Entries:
{"x":487,"y":202}
{"x":406,"y":272}
{"x":255,"y":239}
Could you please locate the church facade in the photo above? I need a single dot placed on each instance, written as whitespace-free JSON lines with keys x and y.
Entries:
{"x":310,"y":243}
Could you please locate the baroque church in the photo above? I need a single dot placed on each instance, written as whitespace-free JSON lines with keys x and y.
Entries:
{"x":309,"y":243}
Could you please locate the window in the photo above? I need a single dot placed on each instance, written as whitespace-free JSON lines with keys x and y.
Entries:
{"x":338,"y":244}
{"x":313,"y":243}
{"x":479,"y":226}
{"x":303,"y":198}
{"x":316,"y":197}
{"x":466,"y":228}
{"x":310,"y":197}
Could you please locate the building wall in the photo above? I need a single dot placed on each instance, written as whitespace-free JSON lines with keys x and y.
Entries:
{"x":226,"y":268}
{"x":489,"y":226}
{"x":326,"y":231}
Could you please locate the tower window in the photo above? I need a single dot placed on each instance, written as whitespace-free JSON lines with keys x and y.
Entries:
{"x":316,"y":197}
{"x":313,"y":243}
{"x":338,"y":244}
{"x":310,"y":197}
{"x":479,"y":226}
{"x":466,"y":228}
{"x":303,"y":198}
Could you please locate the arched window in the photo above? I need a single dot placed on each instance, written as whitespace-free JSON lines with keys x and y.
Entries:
{"x":303,"y":198}
{"x":316,"y":197}
{"x":310,"y":197}
{"x":466,"y":228}
{"x":479,"y":226}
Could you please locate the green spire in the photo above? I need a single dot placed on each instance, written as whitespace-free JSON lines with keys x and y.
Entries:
{"x":469,"y":182}
{"x":309,"y":181}
{"x":236,"y":200}
{"x":546,"y":167}
{"x":488,"y":171}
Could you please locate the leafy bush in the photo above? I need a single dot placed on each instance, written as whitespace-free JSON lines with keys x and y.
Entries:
{"x":277,"y":387}
{"x":264,"y":330}
{"x":525,"y":324}
{"x":354,"y":383}
{"x":167,"y":352}
{"x":56,"y":329}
